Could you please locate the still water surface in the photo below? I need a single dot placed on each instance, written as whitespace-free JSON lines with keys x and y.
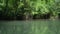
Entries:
{"x":30,"y":27}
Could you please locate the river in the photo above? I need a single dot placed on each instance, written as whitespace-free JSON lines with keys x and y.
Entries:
{"x":30,"y":27}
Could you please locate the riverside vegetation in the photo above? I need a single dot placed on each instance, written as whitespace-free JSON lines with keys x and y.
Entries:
{"x":29,"y":9}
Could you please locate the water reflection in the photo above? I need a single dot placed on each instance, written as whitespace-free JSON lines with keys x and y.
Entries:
{"x":30,"y":27}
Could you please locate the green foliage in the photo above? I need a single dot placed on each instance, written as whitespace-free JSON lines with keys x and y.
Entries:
{"x":40,"y":6}
{"x":15,"y":7}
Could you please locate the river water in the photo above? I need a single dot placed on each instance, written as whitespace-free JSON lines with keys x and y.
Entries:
{"x":30,"y":27}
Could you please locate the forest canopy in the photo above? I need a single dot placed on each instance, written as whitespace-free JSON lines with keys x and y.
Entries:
{"x":29,"y":8}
